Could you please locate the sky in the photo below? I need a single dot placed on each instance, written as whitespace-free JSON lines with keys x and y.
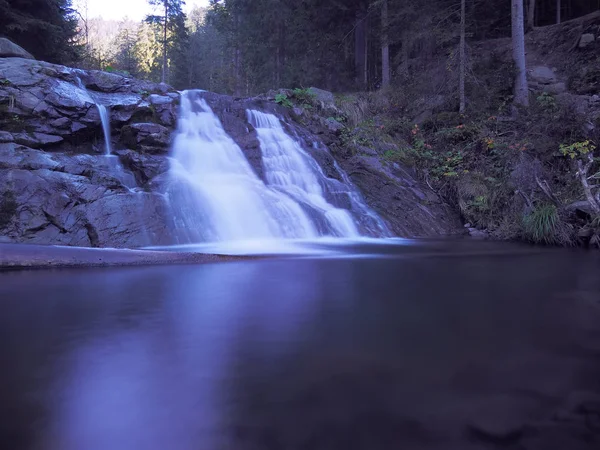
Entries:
{"x":119,"y":9}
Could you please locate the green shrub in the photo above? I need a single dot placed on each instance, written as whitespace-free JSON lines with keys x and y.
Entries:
{"x":303,"y":95}
{"x":458,"y":134}
{"x":543,"y":225}
{"x":283,"y":100}
{"x":400,"y":155}
{"x":547,"y":102}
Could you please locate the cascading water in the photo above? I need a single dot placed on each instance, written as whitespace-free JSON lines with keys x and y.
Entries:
{"x":216,"y":196}
{"x":292,"y":170}
{"x":105,"y":120}
{"x":112,"y":161}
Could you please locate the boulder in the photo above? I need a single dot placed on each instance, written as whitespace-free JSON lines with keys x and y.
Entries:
{"x":324,"y":98}
{"x":542,"y":75}
{"x":586,"y":39}
{"x":104,"y":81}
{"x":36,"y":140}
{"x":76,"y":200}
{"x":149,"y":137}
{"x":478,"y":234}
{"x":9,"y":49}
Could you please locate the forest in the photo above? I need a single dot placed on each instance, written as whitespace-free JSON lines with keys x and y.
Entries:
{"x":458,"y":90}
{"x":245,"y":47}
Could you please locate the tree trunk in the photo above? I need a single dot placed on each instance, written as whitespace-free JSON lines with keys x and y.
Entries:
{"x":360,"y":49}
{"x":558,"y":7}
{"x":582,"y":173}
{"x":164,"y":64}
{"x":366,"y":45}
{"x":531,"y":15}
{"x":518,"y":44}
{"x":405,"y":54}
{"x":385,"y":46}
{"x":461,"y":87}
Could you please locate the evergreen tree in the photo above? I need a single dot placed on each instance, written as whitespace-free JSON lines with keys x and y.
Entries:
{"x":174,"y":34}
{"x":45,"y":28}
{"x":126,"y":51}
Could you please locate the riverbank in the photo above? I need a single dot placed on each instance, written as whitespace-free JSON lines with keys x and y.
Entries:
{"x":23,"y":256}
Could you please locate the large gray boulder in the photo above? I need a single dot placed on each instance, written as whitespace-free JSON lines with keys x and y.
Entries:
{"x":9,"y":49}
{"x":78,"y":200}
{"x":148,"y":137}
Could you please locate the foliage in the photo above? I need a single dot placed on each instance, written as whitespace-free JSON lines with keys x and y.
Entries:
{"x":457,"y":134}
{"x":577,"y":149}
{"x":304,"y":96}
{"x":543,"y":225}
{"x":283,"y":100}
{"x":45,"y":28}
{"x":547,"y":102}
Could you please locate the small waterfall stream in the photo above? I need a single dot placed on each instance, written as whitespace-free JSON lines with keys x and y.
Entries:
{"x":105,"y":119}
{"x":112,"y":161}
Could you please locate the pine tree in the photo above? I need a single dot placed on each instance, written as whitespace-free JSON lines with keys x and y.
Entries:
{"x":171,"y":21}
{"x":45,"y":28}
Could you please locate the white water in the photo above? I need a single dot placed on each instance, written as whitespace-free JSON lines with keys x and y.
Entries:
{"x":104,"y":118}
{"x":216,"y":196}
{"x":102,"y":111}
{"x":292,"y":170}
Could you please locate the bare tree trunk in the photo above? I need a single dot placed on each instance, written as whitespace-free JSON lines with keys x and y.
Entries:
{"x":366,"y":45}
{"x":237,"y":58}
{"x":405,"y":54}
{"x":518,"y":44}
{"x":360,"y":49}
{"x":531,"y":15}
{"x":582,"y":173}
{"x":164,"y":64}
{"x":385,"y":46}
{"x":558,"y":7}
{"x":461,"y":87}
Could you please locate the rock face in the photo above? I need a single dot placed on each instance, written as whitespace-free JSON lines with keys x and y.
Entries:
{"x":58,"y":187}
{"x":9,"y":49}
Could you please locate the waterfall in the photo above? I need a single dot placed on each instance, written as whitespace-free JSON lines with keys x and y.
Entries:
{"x":216,"y":196}
{"x":102,"y":111}
{"x":292,"y":170}
{"x":104,"y":118}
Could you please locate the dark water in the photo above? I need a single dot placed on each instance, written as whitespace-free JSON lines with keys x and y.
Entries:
{"x":413,"y":350}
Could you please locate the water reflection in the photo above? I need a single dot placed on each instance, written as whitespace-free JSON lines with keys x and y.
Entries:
{"x":293,"y":353}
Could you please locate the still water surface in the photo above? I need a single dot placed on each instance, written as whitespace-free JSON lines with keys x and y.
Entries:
{"x":403,"y":346}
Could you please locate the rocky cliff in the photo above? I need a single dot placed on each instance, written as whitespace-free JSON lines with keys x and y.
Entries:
{"x":57,"y":185}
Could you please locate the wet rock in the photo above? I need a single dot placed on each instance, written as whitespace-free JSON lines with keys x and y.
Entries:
{"x":36,"y":140}
{"x":149,"y":137}
{"x":5,"y":136}
{"x":9,"y":49}
{"x":144,"y":167}
{"x":160,"y":99}
{"x":71,"y":200}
